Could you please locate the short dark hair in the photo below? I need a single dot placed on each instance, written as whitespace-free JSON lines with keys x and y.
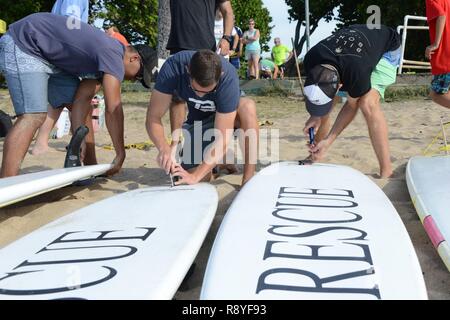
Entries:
{"x":205,"y":67}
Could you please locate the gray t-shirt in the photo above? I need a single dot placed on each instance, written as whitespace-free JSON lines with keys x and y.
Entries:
{"x":77,"y":51}
{"x":174,"y":79}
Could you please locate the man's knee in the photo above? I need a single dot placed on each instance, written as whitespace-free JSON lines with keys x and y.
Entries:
{"x":246,"y":109}
{"x":32,"y":120}
{"x":370,"y":103}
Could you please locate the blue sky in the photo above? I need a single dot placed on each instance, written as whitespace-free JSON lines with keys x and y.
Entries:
{"x":285,"y":30}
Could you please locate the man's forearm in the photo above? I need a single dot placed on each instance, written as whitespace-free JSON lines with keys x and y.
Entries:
{"x":114,"y":123}
{"x":440,"y":26}
{"x":155,"y":131}
{"x":345,"y":116}
{"x":227,"y":13}
{"x":177,"y":118}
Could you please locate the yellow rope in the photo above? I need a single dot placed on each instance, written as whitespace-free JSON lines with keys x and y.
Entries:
{"x":138,"y":146}
{"x":265,"y":123}
{"x":440,"y":135}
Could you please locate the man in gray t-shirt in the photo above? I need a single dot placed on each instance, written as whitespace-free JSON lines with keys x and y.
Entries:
{"x":48,"y":58}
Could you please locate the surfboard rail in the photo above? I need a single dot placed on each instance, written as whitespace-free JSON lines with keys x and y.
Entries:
{"x":21,"y":187}
{"x":423,"y":177}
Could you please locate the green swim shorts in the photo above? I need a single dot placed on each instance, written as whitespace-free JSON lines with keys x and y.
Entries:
{"x":383,"y":76}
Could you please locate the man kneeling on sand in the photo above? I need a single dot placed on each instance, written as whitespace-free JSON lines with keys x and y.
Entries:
{"x":210,"y":86}
{"x":59,"y":60}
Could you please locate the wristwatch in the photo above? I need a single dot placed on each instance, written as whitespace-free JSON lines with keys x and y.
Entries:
{"x":228,"y":38}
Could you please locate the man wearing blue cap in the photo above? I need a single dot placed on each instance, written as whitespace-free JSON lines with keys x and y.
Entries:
{"x":363,"y":62}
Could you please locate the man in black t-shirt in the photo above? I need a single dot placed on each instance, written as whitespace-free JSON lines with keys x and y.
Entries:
{"x":363,"y":62}
{"x":193,"y":25}
{"x":192,"y":28}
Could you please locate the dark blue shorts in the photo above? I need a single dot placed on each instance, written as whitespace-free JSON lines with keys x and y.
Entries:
{"x":235,"y":62}
{"x":197,"y":137}
{"x":441,"y":83}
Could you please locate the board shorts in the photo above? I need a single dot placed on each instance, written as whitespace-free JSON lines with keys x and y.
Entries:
{"x":34,"y":83}
{"x":385,"y":72}
{"x":441,"y":83}
{"x":236,"y":62}
{"x":196,"y":142}
{"x":252,"y":53}
{"x":383,"y":76}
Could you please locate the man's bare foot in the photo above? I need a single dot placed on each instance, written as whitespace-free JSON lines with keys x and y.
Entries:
{"x":39,"y":149}
{"x":386,"y":174}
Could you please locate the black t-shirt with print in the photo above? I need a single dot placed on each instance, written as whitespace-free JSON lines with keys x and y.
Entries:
{"x":192,"y":25}
{"x":354,"y":51}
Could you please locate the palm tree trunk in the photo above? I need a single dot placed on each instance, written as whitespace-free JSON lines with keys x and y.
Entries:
{"x":163,"y":28}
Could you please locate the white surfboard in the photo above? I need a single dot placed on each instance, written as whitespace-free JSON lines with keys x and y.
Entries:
{"x":312,"y":232}
{"x":136,"y":245}
{"x":21,"y":187}
{"x":428,"y":180}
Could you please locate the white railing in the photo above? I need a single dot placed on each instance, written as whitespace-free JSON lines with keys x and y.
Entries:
{"x":411,"y":64}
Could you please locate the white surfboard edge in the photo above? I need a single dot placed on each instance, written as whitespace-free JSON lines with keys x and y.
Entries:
{"x":21,"y":187}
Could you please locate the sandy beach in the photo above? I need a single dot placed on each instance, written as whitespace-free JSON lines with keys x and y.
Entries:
{"x":412,"y":123}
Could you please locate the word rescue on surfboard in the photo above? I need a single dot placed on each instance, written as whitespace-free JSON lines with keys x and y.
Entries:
{"x":64,"y":275}
{"x":329,"y":256}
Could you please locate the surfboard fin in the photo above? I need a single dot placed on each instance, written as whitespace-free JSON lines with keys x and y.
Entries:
{"x":73,"y":157}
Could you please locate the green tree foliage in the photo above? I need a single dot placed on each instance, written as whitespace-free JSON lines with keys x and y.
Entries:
{"x":318,"y":9}
{"x":137,"y":20}
{"x":13,"y":10}
{"x":244,"y":10}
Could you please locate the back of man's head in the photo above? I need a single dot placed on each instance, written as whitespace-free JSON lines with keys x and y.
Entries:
{"x":205,"y":67}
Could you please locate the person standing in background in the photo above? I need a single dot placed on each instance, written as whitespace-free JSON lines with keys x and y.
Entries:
{"x":192,"y":28}
{"x":219,"y":32}
{"x":252,"y":49}
{"x":193,"y":25}
{"x":236,"y":48}
{"x":71,"y":8}
{"x":280,"y":55}
{"x":438,"y":14}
